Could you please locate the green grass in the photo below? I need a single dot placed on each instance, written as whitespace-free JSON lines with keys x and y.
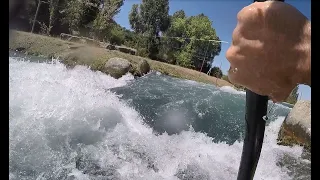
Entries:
{"x":73,"y":54}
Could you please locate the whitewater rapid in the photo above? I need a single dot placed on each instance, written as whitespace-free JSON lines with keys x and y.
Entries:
{"x":67,"y":124}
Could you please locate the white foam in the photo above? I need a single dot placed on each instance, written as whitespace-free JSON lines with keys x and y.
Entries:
{"x":53,"y":110}
{"x":231,"y":90}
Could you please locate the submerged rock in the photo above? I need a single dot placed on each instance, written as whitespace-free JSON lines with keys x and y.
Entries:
{"x":117,"y":67}
{"x":296,"y":128}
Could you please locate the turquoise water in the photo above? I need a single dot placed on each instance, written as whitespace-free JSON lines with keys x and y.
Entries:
{"x":172,"y":105}
{"x":78,"y":124}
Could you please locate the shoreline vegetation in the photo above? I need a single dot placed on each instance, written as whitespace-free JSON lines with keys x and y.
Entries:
{"x":71,"y":54}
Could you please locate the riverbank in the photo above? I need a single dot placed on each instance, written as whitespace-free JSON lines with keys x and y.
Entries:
{"x":71,"y":54}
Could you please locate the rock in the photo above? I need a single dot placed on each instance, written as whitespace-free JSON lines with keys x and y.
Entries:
{"x":111,"y":47}
{"x":296,"y":128}
{"x":20,"y":49}
{"x":117,"y":67}
{"x":126,"y":50}
{"x":143,"y":67}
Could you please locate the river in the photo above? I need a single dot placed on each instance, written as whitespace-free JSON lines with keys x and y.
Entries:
{"x":79,"y":124}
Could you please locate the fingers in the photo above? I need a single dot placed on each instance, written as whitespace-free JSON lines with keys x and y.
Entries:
{"x":251,"y":17}
{"x":236,"y":36}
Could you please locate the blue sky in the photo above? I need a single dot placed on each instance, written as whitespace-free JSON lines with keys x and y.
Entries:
{"x":223,"y":14}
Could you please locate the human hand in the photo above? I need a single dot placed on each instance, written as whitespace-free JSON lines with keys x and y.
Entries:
{"x":270,"y":51}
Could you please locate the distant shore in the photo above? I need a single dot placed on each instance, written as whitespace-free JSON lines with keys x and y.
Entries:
{"x":72,"y":54}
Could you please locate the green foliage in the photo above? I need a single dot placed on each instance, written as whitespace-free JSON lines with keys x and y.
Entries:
{"x":184,"y":59}
{"x":53,"y":7}
{"x":135,"y":19}
{"x":216,"y":72}
{"x":198,"y":31}
{"x":143,"y":52}
{"x":150,"y":18}
{"x":90,"y":10}
{"x":117,"y":36}
{"x":154,"y":16}
{"x":102,"y":25}
{"x":111,"y":8}
{"x":73,"y":12}
{"x":179,"y":14}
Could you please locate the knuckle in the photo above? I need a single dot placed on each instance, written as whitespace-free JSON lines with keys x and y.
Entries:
{"x":236,"y":35}
{"x":232,"y":55}
{"x":241,"y":15}
{"x":229,"y":54}
{"x":249,"y":12}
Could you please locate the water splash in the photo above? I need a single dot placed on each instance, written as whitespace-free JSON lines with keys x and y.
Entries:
{"x":66,"y":124}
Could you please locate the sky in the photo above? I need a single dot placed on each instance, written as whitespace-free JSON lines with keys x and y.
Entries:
{"x":223,"y":14}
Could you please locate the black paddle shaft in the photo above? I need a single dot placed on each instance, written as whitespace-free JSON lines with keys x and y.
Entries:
{"x":256,"y":109}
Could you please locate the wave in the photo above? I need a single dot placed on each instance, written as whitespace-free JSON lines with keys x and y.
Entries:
{"x":67,"y":124}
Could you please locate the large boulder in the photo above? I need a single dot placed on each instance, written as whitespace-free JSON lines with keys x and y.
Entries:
{"x":117,"y":67}
{"x":143,"y":67}
{"x":296,"y":128}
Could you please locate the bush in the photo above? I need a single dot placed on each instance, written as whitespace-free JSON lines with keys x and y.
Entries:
{"x":142,"y":52}
{"x":116,"y":36}
{"x":216,"y":72}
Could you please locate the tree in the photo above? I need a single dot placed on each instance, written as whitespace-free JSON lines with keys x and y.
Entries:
{"x":53,"y":7}
{"x":73,"y":13}
{"x":111,"y":8}
{"x":179,"y":14}
{"x":216,"y":72}
{"x":195,"y":44}
{"x":103,"y":23}
{"x":149,"y":19}
{"x":90,"y":12}
{"x":117,"y":35}
{"x":135,"y":19}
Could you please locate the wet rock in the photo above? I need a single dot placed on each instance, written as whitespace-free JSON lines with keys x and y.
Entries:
{"x":143,"y":67}
{"x":297,"y":168}
{"x":117,"y":67}
{"x":296,"y":128}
